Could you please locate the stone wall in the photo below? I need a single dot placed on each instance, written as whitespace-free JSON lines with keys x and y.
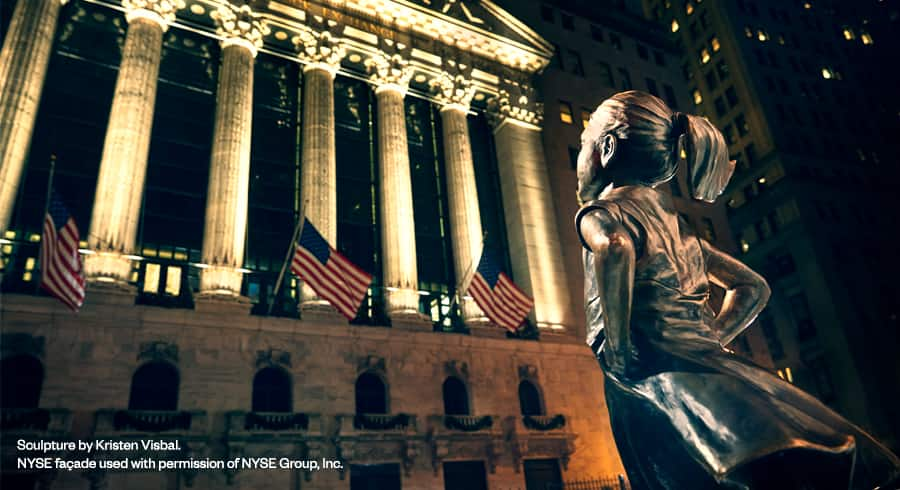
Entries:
{"x":89,"y":359}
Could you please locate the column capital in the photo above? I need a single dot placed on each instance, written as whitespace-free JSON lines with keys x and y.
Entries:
{"x":320,"y":50}
{"x":160,"y":11}
{"x":516,"y":103}
{"x":453,"y":88}
{"x":240,"y":26}
{"x":389,"y":68}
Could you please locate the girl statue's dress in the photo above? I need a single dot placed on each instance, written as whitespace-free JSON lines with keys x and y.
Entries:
{"x":686,"y":413}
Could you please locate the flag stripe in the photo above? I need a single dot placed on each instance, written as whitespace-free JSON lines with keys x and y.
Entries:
{"x":502,"y":301}
{"x":61,"y":268}
{"x":315,"y":274}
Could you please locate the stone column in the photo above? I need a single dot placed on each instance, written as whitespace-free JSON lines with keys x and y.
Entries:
{"x":229,"y":169}
{"x":532,"y":231}
{"x":454,"y":91}
{"x":391,"y":74}
{"x":123,"y":166}
{"x":322,"y":52}
{"x":23,"y":67}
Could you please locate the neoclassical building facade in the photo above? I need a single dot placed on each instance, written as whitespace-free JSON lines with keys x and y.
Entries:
{"x":187,"y":138}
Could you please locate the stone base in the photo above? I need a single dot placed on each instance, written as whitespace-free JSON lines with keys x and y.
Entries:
{"x":108,"y":292}
{"x":487,"y":330}
{"x":414,"y":321}
{"x":210,"y":302}
{"x":321,"y":312}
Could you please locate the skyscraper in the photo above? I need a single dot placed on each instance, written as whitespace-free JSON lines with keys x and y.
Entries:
{"x":795,"y":88}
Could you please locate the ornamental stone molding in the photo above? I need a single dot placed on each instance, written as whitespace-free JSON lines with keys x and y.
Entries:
{"x":240,"y":25}
{"x":390,"y":66}
{"x":158,"y":350}
{"x":273,"y":358}
{"x":457,"y":369}
{"x":374,"y":364}
{"x":528,"y":372}
{"x":516,"y":100}
{"x":454,"y":87}
{"x":160,"y":11}
{"x":320,"y":45}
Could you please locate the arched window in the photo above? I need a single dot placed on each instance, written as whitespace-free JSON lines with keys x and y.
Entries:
{"x":271,"y":390}
{"x":530,"y":399}
{"x":371,"y":394}
{"x":21,"y":378}
{"x":456,"y":398}
{"x":154,"y":386}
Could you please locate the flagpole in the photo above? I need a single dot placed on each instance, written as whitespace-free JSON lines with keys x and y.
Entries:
{"x":287,"y":257}
{"x":467,"y":277}
{"x":46,"y":209}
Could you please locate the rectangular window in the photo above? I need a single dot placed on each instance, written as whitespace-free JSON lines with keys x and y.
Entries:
{"x":711,"y":81}
{"x":626,"y":79}
{"x":670,"y":97}
{"x":573,"y":157}
{"x":575,"y":63}
{"x":802,"y":315}
{"x":651,"y":86}
{"x":703,"y":54}
{"x":642,"y":52}
{"x":558,"y":57}
{"x":596,"y":33}
{"x":721,"y":108}
{"x":568,"y":22}
{"x":604,"y":74}
{"x":585,"y":117}
{"x":731,"y":96}
{"x":722,"y":70}
{"x":616,"y":41}
{"x":565,"y":112}
{"x":728,"y":133}
{"x":547,"y":13}
{"x":741,"y":123}
{"x":659,"y":58}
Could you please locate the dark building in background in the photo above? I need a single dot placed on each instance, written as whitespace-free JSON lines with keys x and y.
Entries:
{"x":602,"y":49}
{"x":801,"y":92}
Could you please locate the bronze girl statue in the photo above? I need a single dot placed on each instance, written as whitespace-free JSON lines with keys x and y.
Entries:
{"x":686,"y":413}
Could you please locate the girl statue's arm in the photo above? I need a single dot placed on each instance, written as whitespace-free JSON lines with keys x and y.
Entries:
{"x":746,"y":292}
{"x":614,"y":258}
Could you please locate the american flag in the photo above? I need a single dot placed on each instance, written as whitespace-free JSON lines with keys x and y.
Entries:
{"x":500,"y":299}
{"x":329,"y":273}
{"x":61,"y":271}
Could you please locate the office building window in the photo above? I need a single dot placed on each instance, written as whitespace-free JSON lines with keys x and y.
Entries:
{"x":731,"y":97}
{"x":547,"y":13}
{"x":596,"y":33}
{"x":565,"y":112}
{"x":802,"y":315}
{"x":703,"y":55}
{"x":604,"y":74}
{"x":711,"y":81}
{"x":616,"y":41}
{"x":728,"y":133}
{"x":585,"y":117}
{"x":722,"y":70}
{"x":575,"y":62}
{"x":642,"y":52}
{"x":626,"y":79}
{"x":573,"y":157}
{"x":670,"y":96}
{"x":714,"y":44}
{"x":558,"y":57}
{"x":697,"y":96}
{"x":568,"y":22}
{"x":659,"y":58}
{"x":651,"y":86}
{"x":721,"y":108}
{"x":741,"y":123}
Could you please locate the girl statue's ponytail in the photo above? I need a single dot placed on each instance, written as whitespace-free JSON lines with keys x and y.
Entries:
{"x":709,"y":169}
